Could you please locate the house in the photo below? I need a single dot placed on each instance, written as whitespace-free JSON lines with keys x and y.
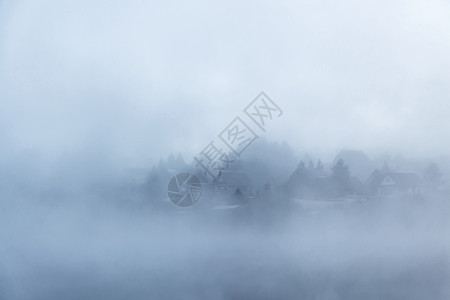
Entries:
{"x":233,"y":187}
{"x":232,"y":180}
{"x":384,"y":183}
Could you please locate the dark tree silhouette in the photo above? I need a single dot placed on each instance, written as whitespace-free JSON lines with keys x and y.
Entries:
{"x":319,"y":169}
{"x":300,"y":182}
{"x":311,"y":165}
{"x":340,"y":179}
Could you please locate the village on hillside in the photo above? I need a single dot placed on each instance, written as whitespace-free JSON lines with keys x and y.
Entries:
{"x":351,"y":179}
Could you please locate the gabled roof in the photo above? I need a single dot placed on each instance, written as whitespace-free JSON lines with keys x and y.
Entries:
{"x":387,"y":181}
{"x":405,"y":179}
{"x":232,"y":179}
{"x":401,"y":179}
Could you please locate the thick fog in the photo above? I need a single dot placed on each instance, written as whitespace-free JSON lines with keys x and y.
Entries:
{"x":118,"y":78}
{"x":344,"y":195}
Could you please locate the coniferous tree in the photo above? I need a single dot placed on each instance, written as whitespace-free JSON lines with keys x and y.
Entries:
{"x":340,"y":178}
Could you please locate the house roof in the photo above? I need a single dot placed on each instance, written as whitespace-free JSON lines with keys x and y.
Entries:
{"x":402,"y":179}
{"x":405,"y":179}
{"x":232,"y":179}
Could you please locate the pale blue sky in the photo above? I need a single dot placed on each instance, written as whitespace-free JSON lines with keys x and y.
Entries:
{"x":137,"y":79}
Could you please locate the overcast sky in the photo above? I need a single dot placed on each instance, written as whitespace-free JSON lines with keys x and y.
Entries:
{"x":134,"y":80}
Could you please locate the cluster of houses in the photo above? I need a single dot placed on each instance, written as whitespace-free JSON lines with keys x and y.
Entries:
{"x":235,"y":188}
{"x":382,"y":182}
{"x":230,"y":189}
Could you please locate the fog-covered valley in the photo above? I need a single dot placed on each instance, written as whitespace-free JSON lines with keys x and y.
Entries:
{"x":98,"y":244}
{"x":224,"y":150}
